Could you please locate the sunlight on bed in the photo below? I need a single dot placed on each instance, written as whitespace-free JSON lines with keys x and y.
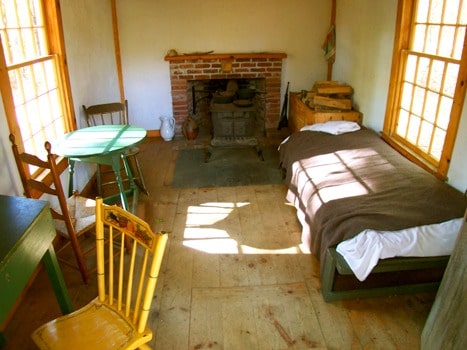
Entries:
{"x":338,"y":175}
{"x":200,"y":233}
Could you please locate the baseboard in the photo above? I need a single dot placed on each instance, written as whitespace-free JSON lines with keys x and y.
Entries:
{"x":153,"y":133}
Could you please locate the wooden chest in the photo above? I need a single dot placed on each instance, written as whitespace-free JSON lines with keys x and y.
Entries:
{"x":300,"y":114}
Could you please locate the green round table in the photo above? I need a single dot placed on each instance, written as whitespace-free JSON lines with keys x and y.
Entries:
{"x":102,"y":144}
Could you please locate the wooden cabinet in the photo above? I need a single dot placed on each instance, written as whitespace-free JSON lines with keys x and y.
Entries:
{"x":300,"y":114}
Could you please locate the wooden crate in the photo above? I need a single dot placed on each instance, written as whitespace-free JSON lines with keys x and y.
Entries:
{"x":300,"y":114}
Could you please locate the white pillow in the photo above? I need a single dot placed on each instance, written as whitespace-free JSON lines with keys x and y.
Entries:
{"x":333,"y":127}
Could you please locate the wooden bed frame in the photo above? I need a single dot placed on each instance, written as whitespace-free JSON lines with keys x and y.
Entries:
{"x":391,"y":276}
{"x":399,"y":275}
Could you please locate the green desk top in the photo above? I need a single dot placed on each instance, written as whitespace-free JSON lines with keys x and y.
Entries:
{"x":98,"y":140}
{"x":16,"y":215}
{"x":26,"y":235}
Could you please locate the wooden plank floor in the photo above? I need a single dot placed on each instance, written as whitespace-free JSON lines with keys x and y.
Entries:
{"x":234,"y":276}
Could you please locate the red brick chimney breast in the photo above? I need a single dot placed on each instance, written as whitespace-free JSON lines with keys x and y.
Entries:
{"x":226,"y":66}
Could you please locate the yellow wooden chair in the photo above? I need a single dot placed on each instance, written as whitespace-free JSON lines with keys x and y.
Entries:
{"x":117,"y":318}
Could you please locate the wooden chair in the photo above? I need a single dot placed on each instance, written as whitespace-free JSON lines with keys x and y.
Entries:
{"x":115,"y":113}
{"x":117,"y":318}
{"x":72,"y":216}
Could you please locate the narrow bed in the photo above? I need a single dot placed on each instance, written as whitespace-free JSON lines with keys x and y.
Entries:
{"x":354,"y":187}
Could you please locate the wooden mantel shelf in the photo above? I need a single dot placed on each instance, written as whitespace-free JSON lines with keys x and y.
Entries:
{"x":226,"y":56}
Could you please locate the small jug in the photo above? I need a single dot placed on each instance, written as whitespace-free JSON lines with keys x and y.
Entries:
{"x":167,"y":128}
{"x":190,"y":128}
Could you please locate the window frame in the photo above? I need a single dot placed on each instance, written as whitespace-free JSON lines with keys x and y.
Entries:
{"x":56,"y":43}
{"x":404,"y":23}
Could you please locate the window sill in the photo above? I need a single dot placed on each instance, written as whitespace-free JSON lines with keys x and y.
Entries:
{"x":412,"y":156}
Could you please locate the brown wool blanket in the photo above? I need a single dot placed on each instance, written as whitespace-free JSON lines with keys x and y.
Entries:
{"x":344,"y":184}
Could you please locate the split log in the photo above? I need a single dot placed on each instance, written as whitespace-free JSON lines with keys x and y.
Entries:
{"x":330,"y":89}
{"x":337,"y":103}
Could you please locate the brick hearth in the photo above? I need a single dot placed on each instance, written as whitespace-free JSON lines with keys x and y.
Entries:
{"x":185,"y":68}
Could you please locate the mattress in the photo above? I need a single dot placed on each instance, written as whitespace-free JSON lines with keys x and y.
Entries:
{"x":342,"y":185}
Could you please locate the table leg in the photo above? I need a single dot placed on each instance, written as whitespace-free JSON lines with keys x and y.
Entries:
{"x":71,"y":170}
{"x":118,"y":177}
{"x":133,"y":188}
{"x":56,"y":278}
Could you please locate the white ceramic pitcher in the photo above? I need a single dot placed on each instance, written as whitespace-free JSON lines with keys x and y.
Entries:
{"x":167,"y":127}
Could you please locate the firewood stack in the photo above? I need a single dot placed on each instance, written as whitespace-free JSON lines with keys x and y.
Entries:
{"x":329,"y":96}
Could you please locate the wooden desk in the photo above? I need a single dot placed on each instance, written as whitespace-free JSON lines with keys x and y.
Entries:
{"x":103,"y":144}
{"x":26,"y":234}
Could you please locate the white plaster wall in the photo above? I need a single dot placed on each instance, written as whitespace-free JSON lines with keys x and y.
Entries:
{"x":89,"y":42}
{"x":148,"y":29}
{"x":9,"y":178}
{"x":457,"y":175}
{"x":365,"y":38}
{"x":365,"y":30}
{"x":93,"y":76}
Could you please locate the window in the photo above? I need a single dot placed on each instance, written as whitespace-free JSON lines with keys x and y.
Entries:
{"x":33,"y":79}
{"x":428,"y":81}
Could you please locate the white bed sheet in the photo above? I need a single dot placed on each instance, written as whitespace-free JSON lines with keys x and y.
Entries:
{"x":363,"y":251}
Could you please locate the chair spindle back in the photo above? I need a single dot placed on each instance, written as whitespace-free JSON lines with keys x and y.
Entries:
{"x":107,"y":113}
{"x":129,"y":285}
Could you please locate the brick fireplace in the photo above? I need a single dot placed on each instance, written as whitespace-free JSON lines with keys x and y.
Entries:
{"x":184,"y":69}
